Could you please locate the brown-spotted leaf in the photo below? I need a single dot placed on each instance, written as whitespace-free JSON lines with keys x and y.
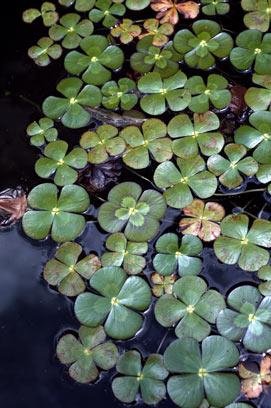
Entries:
{"x":209,"y":231}
{"x":189,"y":9}
{"x":251,"y":384}
{"x":13,"y":205}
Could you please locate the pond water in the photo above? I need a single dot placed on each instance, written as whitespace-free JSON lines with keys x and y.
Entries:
{"x":33,"y":316}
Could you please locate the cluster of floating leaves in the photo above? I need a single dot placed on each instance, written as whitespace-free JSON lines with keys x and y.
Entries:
{"x":190,"y":158}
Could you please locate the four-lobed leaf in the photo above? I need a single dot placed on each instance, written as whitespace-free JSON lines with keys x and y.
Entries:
{"x":60,"y":163}
{"x":147,"y":378}
{"x":97,"y":61}
{"x":138,"y":212}
{"x":190,"y":173}
{"x":126,"y":31}
{"x":259,"y":14}
{"x":41,"y":131}
{"x":118,"y":296}
{"x":215,"y":92}
{"x":213,"y":7}
{"x":198,"y":372}
{"x":249,"y":319}
{"x":201,"y":47}
{"x":158,"y":33}
{"x":162,"y":284}
{"x":83,"y":355}
{"x":168,"y":10}
{"x":243,"y":245}
{"x":171,"y":255}
{"x":66,"y":272}
{"x":255,"y":381}
{"x":106,"y":11}
{"x":203,"y":220}
{"x":252,"y":47}
{"x":258,"y":136}
{"x":44,"y":49}
{"x":228,"y":169}
{"x":47,"y":12}
{"x":69,"y":108}
{"x":55,"y":214}
{"x":190,"y":137}
{"x":150,"y":140}
{"x":104,"y":142}
{"x":119,"y":93}
{"x":71,"y":30}
{"x":163,"y":92}
{"x":192,"y":305}
{"x":125,"y":253}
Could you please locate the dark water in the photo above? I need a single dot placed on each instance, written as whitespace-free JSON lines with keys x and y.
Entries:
{"x":33,"y":316}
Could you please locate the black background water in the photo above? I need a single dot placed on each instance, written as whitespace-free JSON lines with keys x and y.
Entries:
{"x":32,"y":316}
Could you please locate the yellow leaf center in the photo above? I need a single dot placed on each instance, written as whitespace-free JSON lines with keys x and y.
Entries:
{"x":140,"y":377}
{"x":257,"y":51}
{"x":60,"y":162}
{"x":119,"y":94}
{"x":72,"y":101}
{"x":266,"y":136}
{"x":55,"y":211}
{"x":106,"y":12}
{"x":244,"y":241}
{"x":203,"y":43}
{"x":202,"y":372}
{"x":207,"y":92}
{"x":252,"y":317}
{"x":114,"y":301}
{"x":94,"y":59}
{"x":163,"y":91}
{"x":178,"y":254}
{"x":190,"y":309}
{"x":233,"y":165}
{"x":184,"y":180}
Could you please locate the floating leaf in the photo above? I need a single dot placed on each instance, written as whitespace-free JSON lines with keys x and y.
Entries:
{"x":148,"y":57}
{"x":176,"y":181}
{"x":85,"y":354}
{"x":252,"y":46}
{"x":126,"y":31}
{"x":74,"y":115}
{"x":264,"y":273}
{"x":71,"y":30}
{"x":41,"y":131}
{"x":194,"y":311}
{"x":259,"y":135}
{"x":203,"y":221}
{"x":200,"y":372}
{"x":151,"y":140}
{"x":13,"y":205}
{"x":48,"y":14}
{"x":215,"y":92}
{"x":213,"y":7}
{"x":249,"y":320}
{"x":228,"y":170}
{"x":254,"y":383}
{"x":128,"y":206}
{"x":125,"y":253}
{"x":120,"y":93}
{"x":103,"y":142}
{"x":239,"y":244}
{"x":259,"y":16}
{"x":80,"y":5}
{"x":99,"y":57}
{"x":148,"y":379}
{"x":162,"y":284}
{"x":195,"y":135}
{"x":158,"y":34}
{"x":168,"y":10}
{"x":171,"y":254}
{"x":60,"y":163}
{"x":66,"y":272}
{"x":105,"y":11}
{"x":163,"y":92}
{"x":55,"y":214}
{"x":46,"y":48}
{"x":120,"y":295}
{"x":259,"y":98}
{"x":201,"y":48}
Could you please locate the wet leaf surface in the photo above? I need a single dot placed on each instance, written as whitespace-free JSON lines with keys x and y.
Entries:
{"x":13,"y":204}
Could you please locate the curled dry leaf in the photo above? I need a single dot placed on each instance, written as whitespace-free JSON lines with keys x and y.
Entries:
{"x":168,"y":10}
{"x":237,"y":104}
{"x":13,"y":205}
{"x":204,"y":220}
{"x":254,"y":383}
{"x":96,"y":177}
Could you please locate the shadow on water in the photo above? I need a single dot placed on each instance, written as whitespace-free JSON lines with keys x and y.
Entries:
{"x":33,"y":316}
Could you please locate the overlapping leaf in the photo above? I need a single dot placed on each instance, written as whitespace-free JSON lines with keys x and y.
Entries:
{"x":158,"y":34}
{"x":168,"y":10}
{"x":126,"y":31}
{"x":249,"y":319}
{"x":47,"y":12}
{"x":106,"y":11}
